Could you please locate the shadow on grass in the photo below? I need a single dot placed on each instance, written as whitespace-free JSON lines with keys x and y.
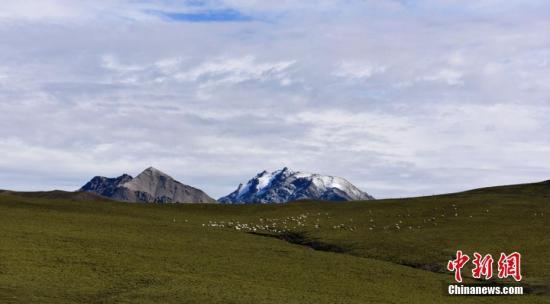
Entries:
{"x":302,"y":238}
{"x":432,"y":267}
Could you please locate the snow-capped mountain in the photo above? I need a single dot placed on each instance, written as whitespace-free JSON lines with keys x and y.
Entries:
{"x":150,"y":186}
{"x":285,"y":185}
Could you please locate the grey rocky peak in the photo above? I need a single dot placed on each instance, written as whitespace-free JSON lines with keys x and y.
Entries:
{"x":150,"y":186}
{"x":105,"y":186}
{"x":286,"y":185}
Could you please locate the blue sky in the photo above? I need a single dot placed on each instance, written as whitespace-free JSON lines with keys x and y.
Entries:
{"x":209,"y":15}
{"x":401,"y":98}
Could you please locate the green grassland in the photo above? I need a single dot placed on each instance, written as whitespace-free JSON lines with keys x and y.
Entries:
{"x":58,"y":247}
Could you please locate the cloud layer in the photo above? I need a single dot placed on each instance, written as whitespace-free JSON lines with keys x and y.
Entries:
{"x":400,"y":97}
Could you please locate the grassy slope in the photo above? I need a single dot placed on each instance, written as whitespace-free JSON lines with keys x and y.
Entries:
{"x":69,"y":251}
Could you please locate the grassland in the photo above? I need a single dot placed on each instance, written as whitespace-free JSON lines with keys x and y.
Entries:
{"x":73,"y":248}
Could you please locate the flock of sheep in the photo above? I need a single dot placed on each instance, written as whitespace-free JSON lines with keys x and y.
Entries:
{"x":316,"y":221}
{"x":281,"y":225}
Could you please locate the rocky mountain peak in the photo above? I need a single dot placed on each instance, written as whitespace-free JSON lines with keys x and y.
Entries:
{"x":150,"y":186}
{"x":153,"y":171}
{"x":286,"y":185}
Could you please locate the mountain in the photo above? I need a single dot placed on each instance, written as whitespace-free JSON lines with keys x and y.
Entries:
{"x":285,"y":185}
{"x":105,"y":186}
{"x":150,"y":186}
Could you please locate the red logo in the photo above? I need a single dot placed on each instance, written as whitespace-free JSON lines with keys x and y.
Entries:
{"x":483,"y":266}
{"x":508,"y":266}
{"x":457,"y":264}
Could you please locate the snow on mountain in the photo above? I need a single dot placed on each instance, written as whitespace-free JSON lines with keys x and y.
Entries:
{"x":285,"y":185}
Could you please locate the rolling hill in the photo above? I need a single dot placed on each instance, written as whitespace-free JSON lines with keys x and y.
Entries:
{"x":60,"y":247}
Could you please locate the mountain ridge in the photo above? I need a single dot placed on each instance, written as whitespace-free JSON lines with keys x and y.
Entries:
{"x":150,"y":186}
{"x":282,"y":186}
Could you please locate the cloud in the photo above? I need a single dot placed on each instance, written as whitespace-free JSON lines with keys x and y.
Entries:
{"x":235,"y":70}
{"x":63,"y":11}
{"x":357,"y":70}
{"x":111,"y":63}
{"x":399,"y":97}
{"x":448,"y":76}
{"x":33,"y":11}
{"x":200,"y":77}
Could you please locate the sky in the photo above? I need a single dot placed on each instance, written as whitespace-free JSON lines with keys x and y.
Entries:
{"x":401,"y":98}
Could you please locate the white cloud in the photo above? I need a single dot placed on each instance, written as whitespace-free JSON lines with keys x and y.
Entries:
{"x":29,"y":10}
{"x":357,"y":70}
{"x":400,"y":99}
{"x":111,"y":63}
{"x":235,"y":70}
{"x":448,"y":76}
{"x":212,"y":72}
